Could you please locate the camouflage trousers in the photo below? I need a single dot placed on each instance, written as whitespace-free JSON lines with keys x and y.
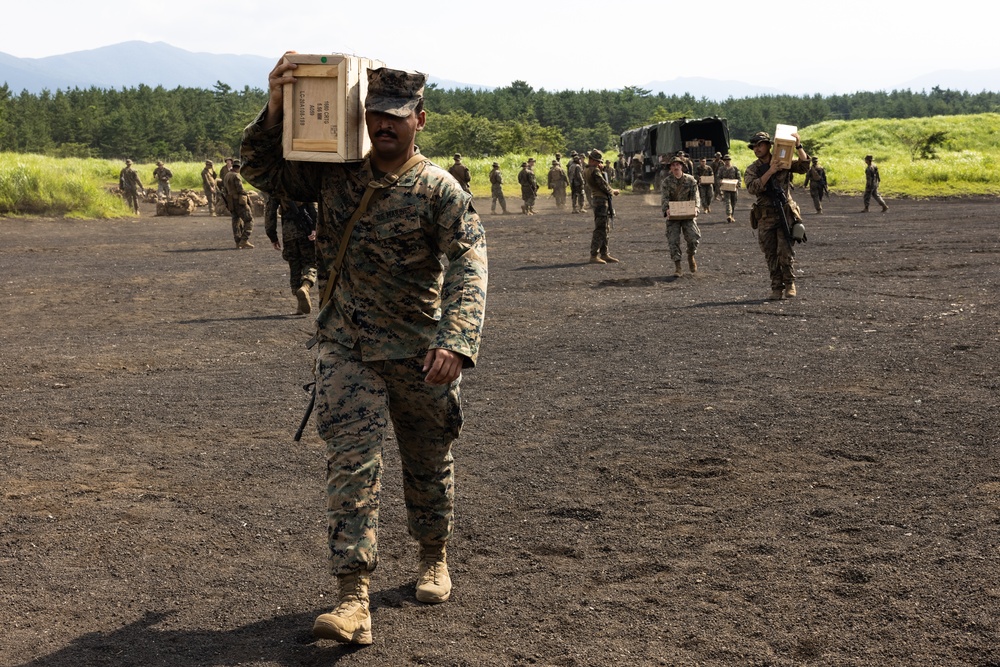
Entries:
{"x":692,"y":235}
{"x":132,"y":199}
{"x":163,"y":190}
{"x":602,"y":227}
{"x":576,"y":193}
{"x":873,"y":194}
{"x":300,"y":253}
{"x":559,"y":194}
{"x":242,"y":222}
{"x":355,"y":402}
{"x":776,"y":248}
{"x":730,"y":199}
{"x":496,"y":191}
{"x":706,"y":192}
{"x":817,"y":197}
{"x":210,"y":196}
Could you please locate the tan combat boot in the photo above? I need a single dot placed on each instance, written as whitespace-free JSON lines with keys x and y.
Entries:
{"x":677,"y":268}
{"x":790,"y":291}
{"x":350,"y":622}
{"x":776,"y":295}
{"x":693,"y":265}
{"x":433,"y":580}
{"x":302,"y":295}
{"x":609,"y":259}
{"x":594,"y":259}
{"x":244,"y":243}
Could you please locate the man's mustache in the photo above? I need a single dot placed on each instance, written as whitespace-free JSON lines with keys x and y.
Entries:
{"x":386,"y":133}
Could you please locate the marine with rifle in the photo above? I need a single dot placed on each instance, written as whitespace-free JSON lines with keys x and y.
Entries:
{"x":593,"y":176}
{"x":774,"y":212}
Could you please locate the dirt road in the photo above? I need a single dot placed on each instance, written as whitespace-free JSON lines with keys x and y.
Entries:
{"x":654,"y":471}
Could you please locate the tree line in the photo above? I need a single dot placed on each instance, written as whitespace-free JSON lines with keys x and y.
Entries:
{"x":184,"y":124}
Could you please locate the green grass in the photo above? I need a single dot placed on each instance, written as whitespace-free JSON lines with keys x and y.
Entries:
{"x":966,"y":165}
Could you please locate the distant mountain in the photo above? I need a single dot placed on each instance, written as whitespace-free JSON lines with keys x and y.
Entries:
{"x":712,"y":89}
{"x":129,"y":64}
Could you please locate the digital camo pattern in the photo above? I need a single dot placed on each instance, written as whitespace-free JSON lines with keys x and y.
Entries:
{"x":296,"y":247}
{"x":414,"y":276}
{"x":355,"y":401}
{"x":684,"y":188}
{"x":239,"y":206}
{"x":730,"y":172}
{"x":496,"y":190}
{"x":770,"y":228}
{"x":208,"y":178}
{"x":872,"y":181}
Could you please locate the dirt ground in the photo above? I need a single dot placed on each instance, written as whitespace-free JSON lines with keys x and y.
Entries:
{"x":654,"y":471}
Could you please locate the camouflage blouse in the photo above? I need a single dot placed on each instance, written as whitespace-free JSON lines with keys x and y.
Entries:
{"x":414,"y":276}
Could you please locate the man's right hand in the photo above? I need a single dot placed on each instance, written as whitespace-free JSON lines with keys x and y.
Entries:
{"x":276,"y":80}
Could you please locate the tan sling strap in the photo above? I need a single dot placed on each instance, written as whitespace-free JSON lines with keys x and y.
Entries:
{"x":387,"y":181}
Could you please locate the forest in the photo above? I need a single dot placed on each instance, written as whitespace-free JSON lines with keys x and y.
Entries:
{"x":148,"y":123}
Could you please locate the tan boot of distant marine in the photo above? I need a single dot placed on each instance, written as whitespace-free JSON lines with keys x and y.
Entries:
{"x":433,"y":580}
{"x":302,"y":295}
{"x":351,"y":621}
{"x":677,"y":268}
{"x":693,"y":265}
{"x":790,"y":291}
{"x":609,"y":259}
{"x":594,"y":259}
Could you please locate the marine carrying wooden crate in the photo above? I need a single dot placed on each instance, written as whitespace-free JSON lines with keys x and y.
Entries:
{"x":325,"y":108}
{"x":728,"y":184}
{"x":784,"y":150}
{"x":683,"y":209}
{"x":706,"y":180}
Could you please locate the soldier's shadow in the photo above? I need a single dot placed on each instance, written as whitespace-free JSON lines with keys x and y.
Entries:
{"x":284,"y":640}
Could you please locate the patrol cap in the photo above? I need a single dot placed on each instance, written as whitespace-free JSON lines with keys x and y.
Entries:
{"x":530,"y":160}
{"x":496,"y":164}
{"x":458,"y":156}
{"x":678,"y":159}
{"x":717,"y":154}
{"x":394,"y":91}
{"x":868,"y":157}
{"x":758,"y":138}
{"x":209,"y":163}
{"x":726,"y":157}
{"x":237,"y":164}
{"x":555,"y":162}
{"x":128,"y":161}
{"x":596,"y":155}
{"x":815,"y":159}
{"x":524,"y":164}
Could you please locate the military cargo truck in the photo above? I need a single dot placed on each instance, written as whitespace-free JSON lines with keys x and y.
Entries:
{"x":698,"y":137}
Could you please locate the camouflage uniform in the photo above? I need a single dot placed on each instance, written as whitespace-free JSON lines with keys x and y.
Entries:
{"x":557,"y":183}
{"x":461,"y":173}
{"x":529,"y":189}
{"x":297,"y":223}
{"x":496,"y":189}
{"x":128,"y":181}
{"x":162,"y":176}
{"x":239,"y":207}
{"x":705,"y":191}
{"x":872,"y":181}
{"x":770,"y":233}
{"x":594,"y":177}
{"x":684,"y":188}
{"x":208,"y":179}
{"x":393,"y":301}
{"x":816,"y":182}
{"x":576,"y":185}
{"x":730,"y":172}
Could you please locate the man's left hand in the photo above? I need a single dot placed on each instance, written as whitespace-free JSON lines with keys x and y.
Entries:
{"x":442,"y":366}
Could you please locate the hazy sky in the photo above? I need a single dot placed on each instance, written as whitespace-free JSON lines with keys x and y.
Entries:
{"x":841,"y":45}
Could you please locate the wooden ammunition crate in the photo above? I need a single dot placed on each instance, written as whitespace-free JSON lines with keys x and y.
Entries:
{"x":728,"y":184}
{"x":783,"y":151}
{"x":706,"y":180}
{"x":325,"y":108}
{"x":683,"y":209}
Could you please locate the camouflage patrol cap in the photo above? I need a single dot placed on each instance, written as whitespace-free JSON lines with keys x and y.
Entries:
{"x":458,"y":156}
{"x":237,"y":164}
{"x":524,"y":164}
{"x":496,"y":164}
{"x":596,"y":155}
{"x":128,"y":161}
{"x":555,"y":162}
{"x":530,"y":160}
{"x":717,"y":154}
{"x":726,"y":157}
{"x":815,"y":159}
{"x":209,"y":163}
{"x":394,"y":91}
{"x":758,"y":138}
{"x":868,"y":158}
{"x":678,"y":159}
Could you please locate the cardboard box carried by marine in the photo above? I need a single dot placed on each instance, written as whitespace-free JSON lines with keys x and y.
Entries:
{"x":325,"y":108}
{"x":728,"y":184}
{"x":683,"y":209}
{"x":784,"y":151}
